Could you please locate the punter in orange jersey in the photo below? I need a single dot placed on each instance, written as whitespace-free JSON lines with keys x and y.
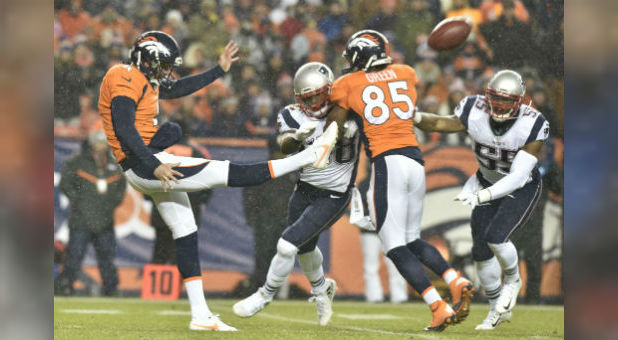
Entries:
{"x":382,"y":97}
{"x":129,"y":106}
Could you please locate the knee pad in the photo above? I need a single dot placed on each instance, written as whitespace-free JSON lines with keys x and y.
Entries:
{"x":286,"y":249}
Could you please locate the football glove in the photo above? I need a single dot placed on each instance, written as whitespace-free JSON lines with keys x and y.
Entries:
{"x":305,"y":130}
{"x":468,"y":195}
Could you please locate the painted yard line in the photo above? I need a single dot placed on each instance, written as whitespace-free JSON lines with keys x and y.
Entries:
{"x":174,"y":312}
{"x":412,"y":335}
{"x":352,"y":328}
{"x":92,"y":311}
{"x":367,"y":316}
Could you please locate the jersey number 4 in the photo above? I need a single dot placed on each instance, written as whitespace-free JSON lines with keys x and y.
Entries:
{"x":374,"y":96}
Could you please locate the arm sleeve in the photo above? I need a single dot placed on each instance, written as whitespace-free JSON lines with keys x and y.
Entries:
{"x":522,"y":165}
{"x":190,"y":84}
{"x":123,"y":122}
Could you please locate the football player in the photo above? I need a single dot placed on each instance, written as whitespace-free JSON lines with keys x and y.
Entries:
{"x":320,"y":197}
{"x":128,"y":105}
{"x":381,"y":96}
{"x":507,"y":137}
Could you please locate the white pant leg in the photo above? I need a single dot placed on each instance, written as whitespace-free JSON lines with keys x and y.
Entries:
{"x":394,"y":228}
{"x":370,"y":244}
{"x":175,"y":209}
{"x":214,"y":174}
{"x":416,"y":197}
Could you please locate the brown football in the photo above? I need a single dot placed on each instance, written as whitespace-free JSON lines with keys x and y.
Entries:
{"x":449,"y":33}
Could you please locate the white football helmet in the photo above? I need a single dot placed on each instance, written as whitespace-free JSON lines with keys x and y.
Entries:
{"x":312,"y":83}
{"x":504,"y":95}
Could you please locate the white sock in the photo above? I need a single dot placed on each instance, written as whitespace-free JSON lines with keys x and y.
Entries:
{"x":431,"y":295}
{"x":281,"y":266}
{"x":507,"y":256}
{"x":450,"y":275}
{"x":311,"y":263}
{"x":280,"y":167}
{"x":195,"y":292}
{"x":489,"y":273}
{"x":370,"y":243}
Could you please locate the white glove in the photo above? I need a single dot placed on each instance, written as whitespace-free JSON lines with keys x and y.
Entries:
{"x":468,"y":198}
{"x":305,"y":130}
{"x":468,"y":195}
{"x":349,"y":129}
{"x":357,"y":214}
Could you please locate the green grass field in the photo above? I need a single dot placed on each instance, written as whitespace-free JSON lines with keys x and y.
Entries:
{"x":128,"y":318}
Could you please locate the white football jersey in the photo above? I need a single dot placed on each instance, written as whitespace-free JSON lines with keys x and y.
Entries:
{"x":342,"y":163}
{"x":495,"y":153}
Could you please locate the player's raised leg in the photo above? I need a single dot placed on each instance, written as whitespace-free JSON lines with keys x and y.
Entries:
{"x":199,"y":174}
{"x":175,"y":209}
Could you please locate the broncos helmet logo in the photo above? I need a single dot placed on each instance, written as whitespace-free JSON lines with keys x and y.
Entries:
{"x":364,"y":41}
{"x":155,"y":48}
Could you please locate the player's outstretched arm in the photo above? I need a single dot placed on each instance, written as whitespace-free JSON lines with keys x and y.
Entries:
{"x":432,"y":122}
{"x":187,"y":85}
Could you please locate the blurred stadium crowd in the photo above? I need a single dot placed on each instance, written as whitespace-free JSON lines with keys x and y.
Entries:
{"x":276,"y":37}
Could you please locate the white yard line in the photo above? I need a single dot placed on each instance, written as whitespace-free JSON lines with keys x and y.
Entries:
{"x":174,"y":312}
{"x":92,"y":311}
{"x":352,"y":328}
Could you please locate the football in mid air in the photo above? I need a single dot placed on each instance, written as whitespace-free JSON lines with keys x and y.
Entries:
{"x":449,"y":33}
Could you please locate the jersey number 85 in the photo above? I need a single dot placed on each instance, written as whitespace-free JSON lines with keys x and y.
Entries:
{"x":374,"y":98}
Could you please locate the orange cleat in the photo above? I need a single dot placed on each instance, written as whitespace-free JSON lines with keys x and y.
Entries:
{"x":461,"y":291}
{"x":443,"y":315}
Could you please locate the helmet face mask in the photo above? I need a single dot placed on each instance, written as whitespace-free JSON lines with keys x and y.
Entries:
{"x":366,"y":49}
{"x":156,"y":54}
{"x":504,"y":95}
{"x":312,"y":83}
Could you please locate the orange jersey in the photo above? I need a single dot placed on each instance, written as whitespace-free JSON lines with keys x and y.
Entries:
{"x":128,"y":81}
{"x":385,"y":101}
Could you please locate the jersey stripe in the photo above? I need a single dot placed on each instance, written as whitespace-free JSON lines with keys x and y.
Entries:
{"x":540,"y":120}
{"x":291,"y":122}
{"x":466,"y":111}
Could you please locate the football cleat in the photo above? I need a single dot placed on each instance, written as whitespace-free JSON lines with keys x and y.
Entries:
{"x":442,"y":316}
{"x":211,"y":323}
{"x":252,"y":304}
{"x":508,"y":297}
{"x":324,"y":145}
{"x":461,"y":291}
{"x":492,"y":320}
{"x":324,"y":302}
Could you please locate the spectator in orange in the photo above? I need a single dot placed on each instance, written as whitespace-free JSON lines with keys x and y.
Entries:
{"x":73,"y":19}
{"x":110,"y":27}
{"x":491,"y":10}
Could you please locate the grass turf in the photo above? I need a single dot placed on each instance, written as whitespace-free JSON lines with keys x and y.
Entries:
{"x":128,"y":318}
